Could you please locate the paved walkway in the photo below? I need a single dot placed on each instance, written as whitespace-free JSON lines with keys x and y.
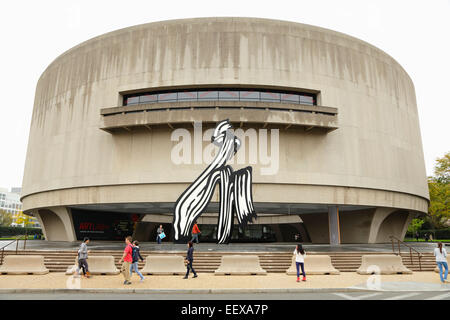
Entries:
{"x":232,"y":247}
{"x":208,"y":282}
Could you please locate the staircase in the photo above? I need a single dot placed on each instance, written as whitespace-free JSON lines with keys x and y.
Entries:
{"x":58,"y":261}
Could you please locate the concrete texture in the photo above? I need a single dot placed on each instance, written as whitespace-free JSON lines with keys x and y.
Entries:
{"x":240,"y":265}
{"x":373,"y":158}
{"x":18,"y":264}
{"x":382,"y":264}
{"x":164,"y":265}
{"x":97,"y":265}
{"x":281,"y":282}
{"x":316,"y":264}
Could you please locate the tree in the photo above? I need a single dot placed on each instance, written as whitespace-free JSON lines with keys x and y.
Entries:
{"x":442,"y":169}
{"x":6,"y":218}
{"x":25,"y":219}
{"x":415,"y":225}
{"x":439,"y":188}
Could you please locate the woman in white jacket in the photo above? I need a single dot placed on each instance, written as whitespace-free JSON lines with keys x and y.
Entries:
{"x":441,"y":260}
{"x":300,"y":255}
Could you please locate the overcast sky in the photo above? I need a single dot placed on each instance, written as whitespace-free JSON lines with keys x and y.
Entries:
{"x":34,"y":33}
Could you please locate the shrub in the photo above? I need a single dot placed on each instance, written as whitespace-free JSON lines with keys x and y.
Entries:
{"x":16,"y":231}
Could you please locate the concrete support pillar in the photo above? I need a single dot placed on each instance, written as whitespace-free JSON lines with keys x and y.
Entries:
{"x":57,"y":224}
{"x":378,"y":218}
{"x":411,"y":216}
{"x":333,"y":225}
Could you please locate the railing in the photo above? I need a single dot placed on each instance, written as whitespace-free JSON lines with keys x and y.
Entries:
{"x":411,"y":249}
{"x":17,"y":246}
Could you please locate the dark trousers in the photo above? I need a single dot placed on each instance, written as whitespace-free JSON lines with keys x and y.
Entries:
{"x":300,"y":264}
{"x":189,"y":266}
{"x":82,"y":264}
{"x":158,"y":239}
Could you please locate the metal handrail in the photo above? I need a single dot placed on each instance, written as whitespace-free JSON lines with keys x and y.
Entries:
{"x":17,"y":246}
{"x":411,"y":249}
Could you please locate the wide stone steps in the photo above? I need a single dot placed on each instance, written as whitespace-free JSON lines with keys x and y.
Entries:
{"x":59,"y":261}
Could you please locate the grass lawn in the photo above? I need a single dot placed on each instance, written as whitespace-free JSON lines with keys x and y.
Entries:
{"x":14,"y":238}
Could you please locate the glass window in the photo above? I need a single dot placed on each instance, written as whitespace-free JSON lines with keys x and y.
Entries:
{"x":148,"y":98}
{"x":290,"y":98}
{"x":306,"y":100}
{"x":248,"y":95}
{"x":187,"y":96}
{"x":132,"y":100}
{"x":170,"y":96}
{"x":229,"y":95}
{"x":208,"y":95}
{"x":270,"y":96}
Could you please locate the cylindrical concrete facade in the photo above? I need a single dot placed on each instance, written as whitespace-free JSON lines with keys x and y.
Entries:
{"x":368,"y":154}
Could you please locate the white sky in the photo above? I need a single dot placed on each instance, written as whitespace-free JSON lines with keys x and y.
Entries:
{"x":34,"y":33}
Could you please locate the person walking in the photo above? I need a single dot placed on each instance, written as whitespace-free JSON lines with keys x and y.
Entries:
{"x":417,"y":236}
{"x":136,"y":255}
{"x":300,"y":255}
{"x":441,"y":260}
{"x":189,"y":260}
{"x":195,"y":233}
{"x":82,"y":259}
{"x":127,"y":259}
{"x":160,"y":233}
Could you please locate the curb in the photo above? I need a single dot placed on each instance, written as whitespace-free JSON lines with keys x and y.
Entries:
{"x":188,"y":291}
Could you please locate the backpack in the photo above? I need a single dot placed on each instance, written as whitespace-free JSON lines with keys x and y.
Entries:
{"x":134,"y":254}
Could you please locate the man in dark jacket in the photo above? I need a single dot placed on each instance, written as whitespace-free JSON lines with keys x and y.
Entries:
{"x":189,"y":260}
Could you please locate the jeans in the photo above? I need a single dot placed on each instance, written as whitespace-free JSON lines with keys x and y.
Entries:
{"x":189,"y":266}
{"x":158,"y":239}
{"x":82,"y":264}
{"x":440,"y":265}
{"x":298,"y":264}
{"x":194,"y":236}
{"x":134,"y":266}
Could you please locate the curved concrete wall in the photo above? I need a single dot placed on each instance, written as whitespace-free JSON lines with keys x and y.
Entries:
{"x":375,"y":156}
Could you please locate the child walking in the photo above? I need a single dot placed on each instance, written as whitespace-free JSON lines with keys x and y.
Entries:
{"x":300,"y":255}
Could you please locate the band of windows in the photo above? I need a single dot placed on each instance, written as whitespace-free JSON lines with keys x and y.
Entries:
{"x":222,"y":94}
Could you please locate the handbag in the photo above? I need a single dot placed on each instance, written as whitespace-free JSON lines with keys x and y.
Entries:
{"x":162,"y":235}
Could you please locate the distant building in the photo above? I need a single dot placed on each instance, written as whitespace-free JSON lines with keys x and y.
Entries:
{"x":10,"y":203}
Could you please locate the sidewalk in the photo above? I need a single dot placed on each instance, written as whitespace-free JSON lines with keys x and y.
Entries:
{"x":208,"y":282}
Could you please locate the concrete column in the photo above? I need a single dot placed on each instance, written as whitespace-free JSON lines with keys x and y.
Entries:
{"x":333,"y":225}
{"x":378,"y":217}
{"x":57,"y":224}
{"x":408,"y":221}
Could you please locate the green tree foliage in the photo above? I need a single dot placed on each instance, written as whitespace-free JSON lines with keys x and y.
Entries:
{"x":5,"y":218}
{"x":439,"y":188}
{"x":415,"y":225}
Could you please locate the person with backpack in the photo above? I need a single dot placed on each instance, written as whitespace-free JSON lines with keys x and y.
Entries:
{"x":195,"y":233}
{"x":136,"y":255}
{"x":127,"y":260}
{"x":300,"y":255}
{"x":441,"y":260}
{"x":82,"y":257}
{"x":189,"y":260}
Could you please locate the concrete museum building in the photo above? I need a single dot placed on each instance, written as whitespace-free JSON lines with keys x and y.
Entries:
{"x":350,"y":161}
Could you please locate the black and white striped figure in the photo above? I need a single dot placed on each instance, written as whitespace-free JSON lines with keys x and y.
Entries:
{"x":235,"y":188}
